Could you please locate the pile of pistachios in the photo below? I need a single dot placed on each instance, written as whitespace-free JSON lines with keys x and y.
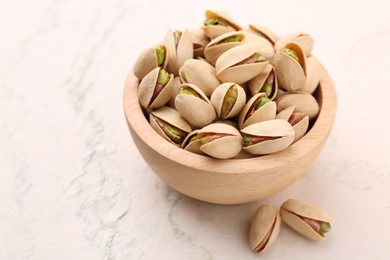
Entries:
{"x":225,"y":91}
{"x":306,"y":219}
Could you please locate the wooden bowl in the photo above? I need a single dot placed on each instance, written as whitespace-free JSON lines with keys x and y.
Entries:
{"x":230,"y":181}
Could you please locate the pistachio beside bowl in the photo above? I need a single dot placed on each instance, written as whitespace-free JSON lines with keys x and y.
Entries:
{"x":234,"y":114}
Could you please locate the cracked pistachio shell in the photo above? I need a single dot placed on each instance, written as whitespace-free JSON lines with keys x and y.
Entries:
{"x":225,"y":147}
{"x":228,"y":71}
{"x":194,"y":145}
{"x":304,"y":40}
{"x":291,"y":74}
{"x":264,"y":113}
{"x":304,"y":102}
{"x":172,"y":117}
{"x":256,"y":84}
{"x":292,"y":212}
{"x":178,"y":55}
{"x":263,"y":45}
{"x":216,"y":47}
{"x":264,"y":228}
{"x":265,"y":33}
{"x":146,"y":90}
{"x":213,"y":31}
{"x":175,"y":89}
{"x":313,"y":68}
{"x":299,"y":127}
{"x":199,"y":42}
{"x":220,"y":100}
{"x":147,"y":61}
{"x":201,"y":74}
{"x":272,"y":128}
{"x":198,"y":111}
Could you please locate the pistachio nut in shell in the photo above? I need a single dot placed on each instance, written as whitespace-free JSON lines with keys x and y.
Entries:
{"x":194,"y":106}
{"x":263,"y":45}
{"x":308,"y":220}
{"x":264,"y":228}
{"x":220,"y":141}
{"x":192,"y":142}
{"x":201,"y":74}
{"x":266,"y":82}
{"x":222,"y":43}
{"x":304,"y":40}
{"x":240,"y":64}
{"x":228,"y":100}
{"x":155,"y":89}
{"x":290,"y":66}
{"x":175,"y":89}
{"x":149,"y":59}
{"x":259,"y":108}
{"x":199,"y":42}
{"x":169,"y":124}
{"x":265,"y":32}
{"x":304,"y":102}
{"x":267,"y":137}
{"x":298,"y":120}
{"x":218,"y":22}
{"x":313,"y":69}
{"x":180,"y":49}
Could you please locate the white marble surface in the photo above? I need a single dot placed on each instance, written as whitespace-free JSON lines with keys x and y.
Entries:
{"x":73,"y":185}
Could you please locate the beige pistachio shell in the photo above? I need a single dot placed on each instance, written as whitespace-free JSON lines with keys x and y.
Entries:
{"x":213,"y":31}
{"x":146,"y":89}
{"x":219,"y":95}
{"x":216,"y":47}
{"x":292,"y":212}
{"x":193,"y":146}
{"x":170,"y":116}
{"x":201,"y":74}
{"x":300,"y":128}
{"x":265,"y":32}
{"x":271,"y":128}
{"x":304,"y":40}
{"x":147,"y":61}
{"x":224,"y":147}
{"x":264,"y":228}
{"x":291,"y":74}
{"x":175,"y":89}
{"x":264,"y":113}
{"x":197,"y":111}
{"x":304,"y":102}
{"x":228,"y":71}
{"x":313,"y":68}
{"x":264,"y":46}
{"x":199,"y":41}
{"x":257,"y":82}
{"x":178,"y":55}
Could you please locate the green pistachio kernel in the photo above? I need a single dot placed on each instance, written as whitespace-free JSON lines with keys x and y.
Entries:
{"x":267,"y":88}
{"x":232,"y":39}
{"x":175,"y":134}
{"x":325,"y":227}
{"x":262,"y":102}
{"x":258,"y":57}
{"x":247,"y":140}
{"x":204,"y":139}
{"x":188,"y":91}
{"x":160,"y":52}
{"x":291,"y":53}
{"x":163,"y":77}
{"x":183,"y":75}
{"x":229,"y":101}
{"x":213,"y":21}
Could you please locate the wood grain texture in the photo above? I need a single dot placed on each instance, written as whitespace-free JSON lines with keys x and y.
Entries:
{"x":230,"y":181}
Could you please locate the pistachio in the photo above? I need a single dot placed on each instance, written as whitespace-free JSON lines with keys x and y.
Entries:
{"x":304,"y":40}
{"x":160,"y":52}
{"x":265,"y":47}
{"x":169,"y":124}
{"x":304,"y":102}
{"x":214,"y":21}
{"x":150,"y":59}
{"x":264,"y":32}
{"x":192,"y":142}
{"x":265,"y":82}
{"x":194,"y":106}
{"x":313,"y":68}
{"x":180,"y":49}
{"x":267,"y":137}
{"x":259,"y":108}
{"x":218,"y":23}
{"x":155,"y":88}
{"x":199,"y":41}
{"x":228,"y":100}
{"x":299,"y":121}
{"x":220,"y":141}
{"x":306,"y":219}
{"x":264,"y":228}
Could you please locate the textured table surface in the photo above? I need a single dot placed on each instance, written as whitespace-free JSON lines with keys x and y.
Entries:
{"x":73,"y":185}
